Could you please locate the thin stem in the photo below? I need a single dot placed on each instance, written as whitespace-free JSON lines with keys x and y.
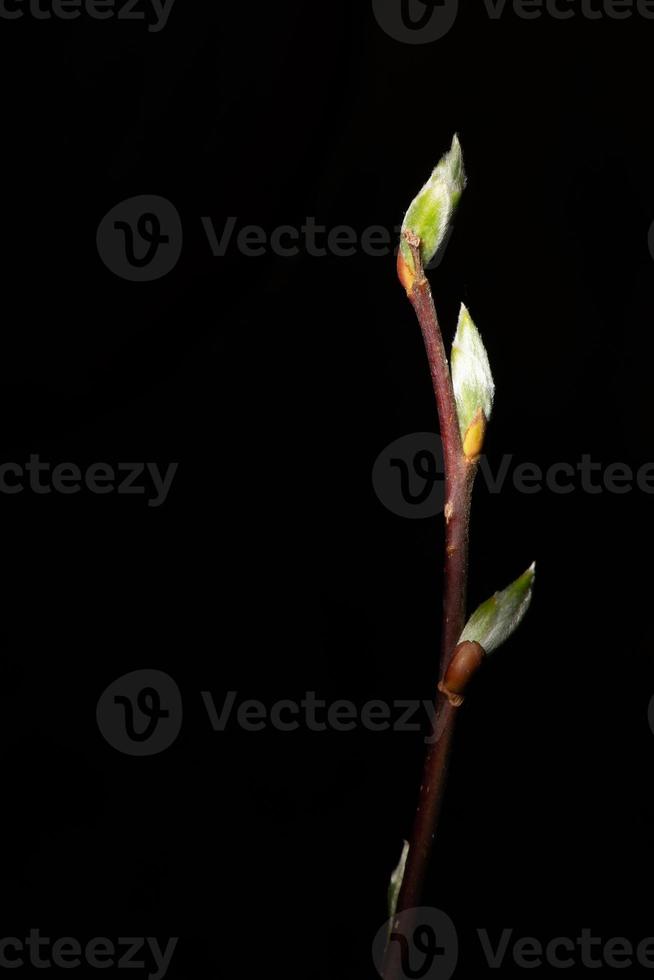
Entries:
{"x":459,"y":471}
{"x":436,"y":761}
{"x":459,"y":479}
{"x":422,"y":301}
{"x":458,"y":495}
{"x":426,"y":819}
{"x":429,"y":806}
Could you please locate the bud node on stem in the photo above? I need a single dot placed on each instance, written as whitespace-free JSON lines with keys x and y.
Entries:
{"x":405,"y":273}
{"x":466,"y":661}
{"x":473,"y":440}
{"x":410,"y":270}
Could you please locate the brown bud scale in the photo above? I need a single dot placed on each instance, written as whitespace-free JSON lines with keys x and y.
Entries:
{"x":466,"y":661}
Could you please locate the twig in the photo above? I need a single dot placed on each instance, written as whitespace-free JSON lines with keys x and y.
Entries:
{"x":459,"y":479}
{"x":464,"y":408}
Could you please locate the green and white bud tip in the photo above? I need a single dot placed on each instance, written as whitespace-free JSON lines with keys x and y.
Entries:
{"x":497,"y":618}
{"x":395,"y":885}
{"x":473,"y":385}
{"x":431,"y":211}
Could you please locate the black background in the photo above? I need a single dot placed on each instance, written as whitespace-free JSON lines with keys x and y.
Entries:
{"x":273,"y":569}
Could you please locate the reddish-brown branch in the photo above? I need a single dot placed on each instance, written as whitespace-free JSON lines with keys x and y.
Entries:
{"x":423,"y":303}
{"x":429,"y":806}
{"x":458,"y":495}
{"x":459,"y":479}
{"x":459,"y":471}
{"x":424,"y":828}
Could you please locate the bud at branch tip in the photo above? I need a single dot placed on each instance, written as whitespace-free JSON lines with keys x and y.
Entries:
{"x":430,"y":213}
